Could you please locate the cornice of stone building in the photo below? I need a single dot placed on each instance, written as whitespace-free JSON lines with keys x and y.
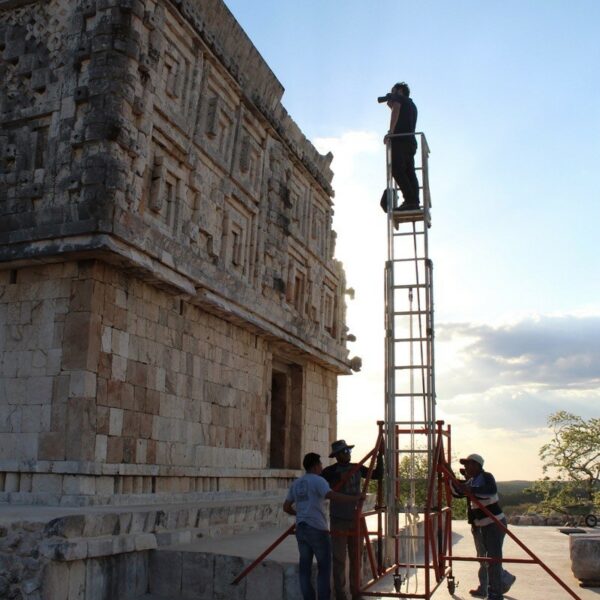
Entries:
{"x":229,"y":42}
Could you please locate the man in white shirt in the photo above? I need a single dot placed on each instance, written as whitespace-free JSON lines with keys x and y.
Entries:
{"x":306,"y":501}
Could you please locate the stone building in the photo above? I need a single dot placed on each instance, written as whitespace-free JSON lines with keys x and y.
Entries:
{"x":171,"y":315}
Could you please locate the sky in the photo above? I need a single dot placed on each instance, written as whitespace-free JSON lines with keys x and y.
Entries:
{"x":509,"y":97}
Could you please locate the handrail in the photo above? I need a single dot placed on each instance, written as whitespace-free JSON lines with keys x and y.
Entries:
{"x":420,"y":133}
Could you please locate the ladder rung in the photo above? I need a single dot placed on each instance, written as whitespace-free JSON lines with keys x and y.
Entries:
{"x":415,"y":339}
{"x":419,"y":395}
{"x":400,"y":367}
{"x":408,"y":233}
{"x":419,"y":258}
{"x":407,"y":313}
{"x":410,"y":287}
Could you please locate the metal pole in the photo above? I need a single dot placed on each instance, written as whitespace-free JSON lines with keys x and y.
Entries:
{"x":390,"y":402}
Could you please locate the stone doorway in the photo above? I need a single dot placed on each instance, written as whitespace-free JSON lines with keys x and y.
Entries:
{"x":287,"y":392}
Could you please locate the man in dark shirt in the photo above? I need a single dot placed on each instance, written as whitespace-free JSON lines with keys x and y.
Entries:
{"x":344,"y":539}
{"x":403,"y":120}
{"x":494,"y":580}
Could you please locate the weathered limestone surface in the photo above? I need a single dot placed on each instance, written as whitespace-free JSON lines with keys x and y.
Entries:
{"x":112,"y":386}
{"x":172,"y":319}
{"x":102,"y":552}
{"x":585,"y":558}
{"x":170,"y":310}
{"x":152,"y":131}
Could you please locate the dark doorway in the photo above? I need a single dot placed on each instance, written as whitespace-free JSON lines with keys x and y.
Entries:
{"x":286,"y":416}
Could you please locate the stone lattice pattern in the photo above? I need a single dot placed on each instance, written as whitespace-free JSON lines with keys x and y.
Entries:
{"x":167,"y":255}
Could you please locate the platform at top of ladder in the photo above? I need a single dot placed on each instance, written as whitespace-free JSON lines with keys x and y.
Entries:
{"x":408,"y":216}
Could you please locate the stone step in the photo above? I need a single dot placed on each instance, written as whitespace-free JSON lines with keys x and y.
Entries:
{"x":201,"y":576}
{"x":155,"y":597}
{"x":97,"y":548}
{"x":68,"y":534}
{"x":205,"y":568}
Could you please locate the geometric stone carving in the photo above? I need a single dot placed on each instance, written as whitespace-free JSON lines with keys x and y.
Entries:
{"x":170,"y":224}
{"x":212,"y":118}
{"x":329,"y":304}
{"x":297,"y":285}
{"x":238,"y":233}
{"x":318,"y":223}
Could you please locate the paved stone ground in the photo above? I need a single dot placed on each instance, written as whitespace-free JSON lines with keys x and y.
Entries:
{"x":533,"y":583}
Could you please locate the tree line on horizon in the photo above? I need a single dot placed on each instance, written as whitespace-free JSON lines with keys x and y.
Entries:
{"x":571,"y":474}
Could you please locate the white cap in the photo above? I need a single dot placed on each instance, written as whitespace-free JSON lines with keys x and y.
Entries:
{"x":474,"y":457}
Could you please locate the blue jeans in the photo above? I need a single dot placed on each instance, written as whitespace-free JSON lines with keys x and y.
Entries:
{"x":314,"y":542}
{"x":488,"y":542}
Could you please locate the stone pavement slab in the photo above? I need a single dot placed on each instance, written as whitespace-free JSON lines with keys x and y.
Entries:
{"x":532,"y":583}
{"x":247,"y":545}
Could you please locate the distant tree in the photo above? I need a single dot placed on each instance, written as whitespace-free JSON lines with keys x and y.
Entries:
{"x":420,"y":474}
{"x":571,"y":464}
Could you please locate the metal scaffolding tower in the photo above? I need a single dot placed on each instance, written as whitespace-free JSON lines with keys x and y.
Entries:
{"x":409,"y":355}
{"x":413,"y":558}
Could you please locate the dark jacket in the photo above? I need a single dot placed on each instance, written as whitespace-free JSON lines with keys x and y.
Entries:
{"x":484,"y":488}
{"x":334,"y":473}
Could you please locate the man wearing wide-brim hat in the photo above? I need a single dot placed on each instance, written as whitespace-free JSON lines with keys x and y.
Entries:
{"x":343,"y":536}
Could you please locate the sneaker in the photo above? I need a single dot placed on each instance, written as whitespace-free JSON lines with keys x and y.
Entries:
{"x":478,"y":593}
{"x":508,"y":581}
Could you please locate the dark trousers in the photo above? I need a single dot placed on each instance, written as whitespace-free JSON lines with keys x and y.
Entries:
{"x":403,"y":171}
{"x":491,"y":542}
{"x":314,"y":543}
{"x":483,"y":566}
{"x":344,"y":544}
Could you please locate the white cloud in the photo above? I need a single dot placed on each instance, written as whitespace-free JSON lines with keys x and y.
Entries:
{"x":545,"y":353}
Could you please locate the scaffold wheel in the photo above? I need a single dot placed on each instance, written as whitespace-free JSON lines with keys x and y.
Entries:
{"x":451,"y":585}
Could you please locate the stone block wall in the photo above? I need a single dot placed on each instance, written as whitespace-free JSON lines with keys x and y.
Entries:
{"x":172,"y":319}
{"x":111,"y":386}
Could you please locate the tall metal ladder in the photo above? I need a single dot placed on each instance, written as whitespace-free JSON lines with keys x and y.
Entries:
{"x":409,"y":360}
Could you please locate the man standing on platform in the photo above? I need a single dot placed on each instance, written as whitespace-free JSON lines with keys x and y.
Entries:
{"x":344,"y":539}
{"x":306,"y":501}
{"x":403,"y":120}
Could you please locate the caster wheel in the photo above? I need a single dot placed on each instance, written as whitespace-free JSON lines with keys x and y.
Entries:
{"x":451,"y":586}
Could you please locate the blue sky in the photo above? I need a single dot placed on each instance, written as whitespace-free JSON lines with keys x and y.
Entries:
{"x":509,"y":97}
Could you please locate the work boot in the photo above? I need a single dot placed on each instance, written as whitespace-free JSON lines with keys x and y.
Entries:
{"x":478,"y":593}
{"x":408,"y":206}
{"x":507,"y":582}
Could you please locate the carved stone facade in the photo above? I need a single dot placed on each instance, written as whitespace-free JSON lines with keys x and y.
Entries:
{"x":171,"y":314}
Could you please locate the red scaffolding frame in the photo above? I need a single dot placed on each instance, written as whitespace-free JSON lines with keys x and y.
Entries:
{"x":437,"y":555}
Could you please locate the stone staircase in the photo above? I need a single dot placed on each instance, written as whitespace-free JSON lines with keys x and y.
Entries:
{"x":114,"y":553}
